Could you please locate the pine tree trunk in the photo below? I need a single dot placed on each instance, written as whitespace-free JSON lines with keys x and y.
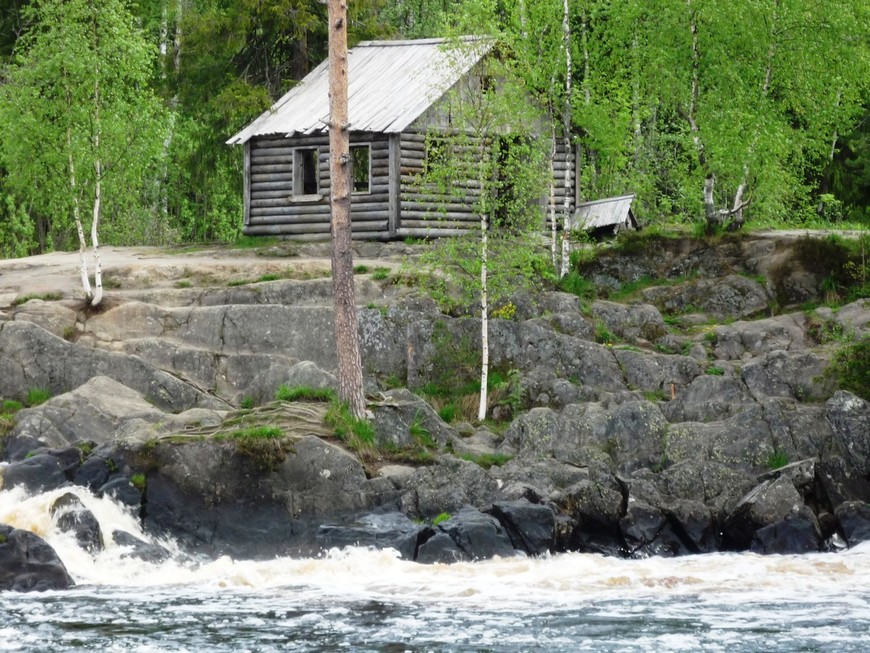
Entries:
{"x":350,"y":381}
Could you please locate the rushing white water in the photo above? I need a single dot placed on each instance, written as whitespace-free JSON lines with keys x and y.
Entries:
{"x":366,"y":600}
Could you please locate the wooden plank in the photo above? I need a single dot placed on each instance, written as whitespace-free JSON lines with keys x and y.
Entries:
{"x":428,"y":232}
{"x":258,"y":194}
{"x":273,"y":160}
{"x":272,"y":185}
{"x":272,"y":177}
{"x":263,"y":169}
{"x":247,"y":183}
{"x":394,"y":184}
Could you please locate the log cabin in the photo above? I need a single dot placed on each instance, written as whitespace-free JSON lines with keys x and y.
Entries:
{"x":396,"y":102}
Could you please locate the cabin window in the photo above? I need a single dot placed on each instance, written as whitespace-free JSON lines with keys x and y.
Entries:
{"x":305,"y":171}
{"x":360,"y":168}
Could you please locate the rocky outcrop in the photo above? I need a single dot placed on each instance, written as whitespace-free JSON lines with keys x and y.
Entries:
{"x":28,"y":564}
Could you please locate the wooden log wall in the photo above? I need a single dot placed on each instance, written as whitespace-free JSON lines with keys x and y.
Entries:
{"x":272,"y":209}
{"x":423,"y":209}
{"x":559,"y":169}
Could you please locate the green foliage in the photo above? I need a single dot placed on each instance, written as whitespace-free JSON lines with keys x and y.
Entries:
{"x":603,"y":335}
{"x":379,"y":274}
{"x":304,"y":393}
{"x":851,"y":367}
{"x":714,"y":370}
{"x":777,"y":459}
{"x":487,"y":460}
{"x":17,"y":233}
{"x":447,"y":412}
{"x":37,"y":396}
{"x":441,"y":518}
{"x":257,"y":433}
{"x":247,"y":403}
{"x":138,"y":481}
{"x":358,"y":434}
{"x":360,"y":269}
{"x":46,"y":297}
{"x":574,"y":282}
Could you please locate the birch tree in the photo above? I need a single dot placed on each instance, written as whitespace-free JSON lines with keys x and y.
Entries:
{"x":489,"y":152}
{"x":79,"y":125}
{"x":350,"y":381}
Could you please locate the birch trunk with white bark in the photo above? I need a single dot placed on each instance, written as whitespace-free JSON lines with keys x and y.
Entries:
{"x":566,"y":135}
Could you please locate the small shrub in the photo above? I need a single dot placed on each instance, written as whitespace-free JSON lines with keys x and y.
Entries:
{"x":506,"y":312}
{"x":360,"y":269}
{"x":443,"y":517}
{"x":37,"y":396}
{"x":380,"y":274}
{"x":138,"y":481}
{"x":69,"y":333}
{"x":247,"y":403}
{"x":304,"y":393}
{"x":111,"y":283}
{"x":777,"y":459}
{"x":851,"y":367}
{"x":603,"y":335}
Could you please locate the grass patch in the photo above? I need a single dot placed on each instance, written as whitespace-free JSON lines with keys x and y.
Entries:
{"x":603,"y":335}
{"x":37,"y":396}
{"x":576,"y":284}
{"x":487,"y":460}
{"x":714,"y":370}
{"x":439,"y":519}
{"x":304,"y":393}
{"x":360,"y":269}
{"x":270,"y":276}
{"x":183,"y":283}
{"x":655,"y":395}
{"x":45,"y":296}
{"x":138,"y":481}
{"x":358,"y":434}
{"x":232,"y":283}
{"x":447,"y":412}
{"x":777,"y":459}
{"x":379,"y":274}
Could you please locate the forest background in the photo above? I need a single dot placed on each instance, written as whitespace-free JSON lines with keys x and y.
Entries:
{"x":763,"y":103}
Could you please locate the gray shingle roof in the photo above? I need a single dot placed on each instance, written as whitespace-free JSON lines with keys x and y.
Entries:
{"x":390,"y":84}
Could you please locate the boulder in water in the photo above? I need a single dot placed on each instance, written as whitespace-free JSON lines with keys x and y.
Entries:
{"x":72,"y":516}
{"x":28,"y":563}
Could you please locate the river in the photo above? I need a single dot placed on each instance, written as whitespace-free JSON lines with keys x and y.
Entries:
{"x":363,"y":600}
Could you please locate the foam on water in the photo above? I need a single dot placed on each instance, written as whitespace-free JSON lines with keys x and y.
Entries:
{"x":555,"y":603}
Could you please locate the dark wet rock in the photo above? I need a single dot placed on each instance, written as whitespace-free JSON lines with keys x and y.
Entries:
{"x":767,"y":504}
{"x":596,"y":506}
{"x":798,"y":532}
{"x":530,"y":527}
{"x":854,"y":518}
{"x":28,"y":563}
{"x":94,"y":473}
{"x":122,"y":490}
{"x":694,"y":521}
{"x":37,"y":473}
{"x":849,"y":417}
{"x":477,"y":536}
{"x":647,"y":531}
{"x":71,"y":516}
{"x":380,"y":531}
{"x":140,"y":549}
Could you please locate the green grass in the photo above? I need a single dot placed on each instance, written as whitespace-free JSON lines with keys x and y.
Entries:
{"x":358,"y":434}
{"x":851,"y":367}
{"x":37,"y":396}
{"x":304,"y":393}
{"x":184,"y":283}
{"x":603,"y":335}
{"x":420,"y":433}
{"x":714,"y":370}
{"x":447,"y":412}
{"x":138,"y":481}
{"x":440,"y":519}
{"x":777,"y":459}
{"x":360,"y":269}
{"x":246,"y":403}
{"x":271,"y":276}
{"x":45,"y":296}
{"x":487,"y":460}
{"x":379,"y":274}
{"x":257,"y":433}
{"x":238,"y":282}
{"x":576,"y":284}
{"x":10,"y":407}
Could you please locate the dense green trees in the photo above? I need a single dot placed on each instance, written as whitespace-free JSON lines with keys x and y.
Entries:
{"x":763,"y":103}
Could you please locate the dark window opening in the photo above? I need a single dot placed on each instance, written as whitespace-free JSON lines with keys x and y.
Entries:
{"x":360,"y":162}
{"x":305,"y":171}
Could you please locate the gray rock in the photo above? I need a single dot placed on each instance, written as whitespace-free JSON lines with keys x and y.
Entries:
{"x":440,"y":549}
{"x":54,"y":317}
{"x":447,"y":486}
{"x":729,"y":296}
{"x":37,"y":473}
{"x":717,"y":485}
{"x":695,"y":521}
{"x":403,"y":420}
{"x":630,"y":322}
{"x":840,"y":482}
{"x":93,"y":411}
{"x":28,"y":563}
{"x":798,"y":376}
{"x":708,"y":398}
{"x":596,"y":506}
{"x":647,"y":531}
{"x":140,"y":549}
{"x":780,"y":333}
{"x":657,"y":372}
{"x":798,"y":532}
{"x":849,"y":417}
{"x":30,"y":357}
